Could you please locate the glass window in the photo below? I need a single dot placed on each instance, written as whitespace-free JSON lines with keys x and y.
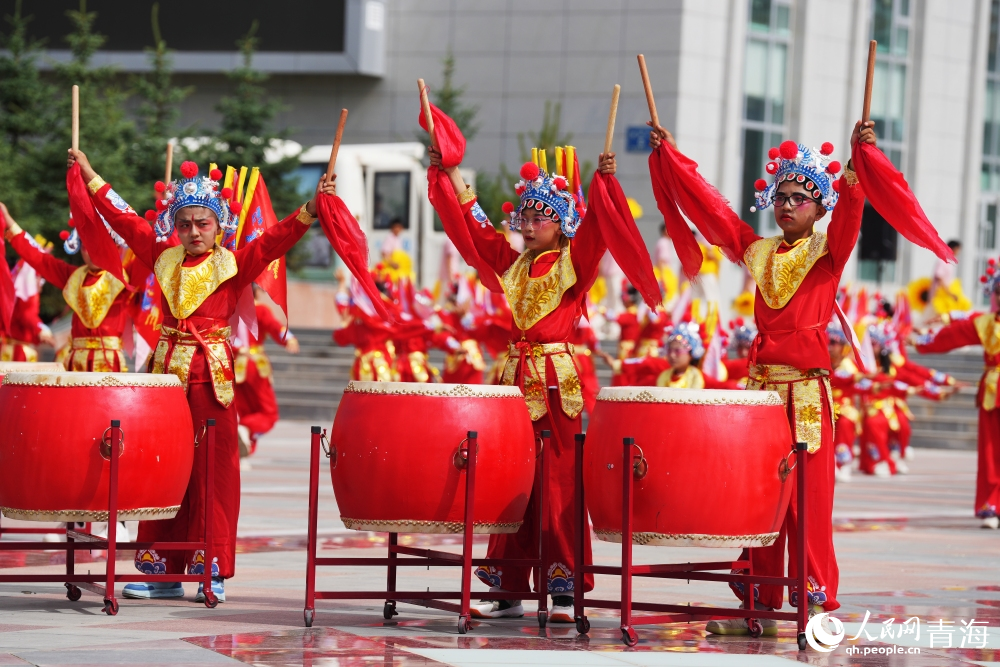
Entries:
{"x":392,"y":199}
{"x":760,"y":15}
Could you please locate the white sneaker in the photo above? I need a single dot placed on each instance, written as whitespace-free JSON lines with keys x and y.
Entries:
{"x":245,"y":464}
{"x":738,"y":626}
{"x":991,"y":522}
{"x":882,"y":469}
{"x":910,"y":454}
{"x":243,"y":434}
{"x":843,"y":474}
{"x":902,"y":468}
{"x":497,"y":609}
{"x":562,"y":609}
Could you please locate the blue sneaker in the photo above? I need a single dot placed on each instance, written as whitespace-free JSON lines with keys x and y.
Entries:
{"x":156,"y":589}
{"x":218,"y":587}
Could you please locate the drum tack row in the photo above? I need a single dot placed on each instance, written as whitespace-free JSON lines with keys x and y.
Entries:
{"x":658,"y":466}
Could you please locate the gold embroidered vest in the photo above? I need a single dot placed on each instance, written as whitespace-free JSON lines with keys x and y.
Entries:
{"x":187,"y":287}
{"x":988,"y":329}
{"x":531,"y":299}
{"x":91,"y":303}
{"x":779,"y":275}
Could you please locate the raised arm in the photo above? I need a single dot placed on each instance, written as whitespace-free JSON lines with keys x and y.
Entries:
{"x":959,"y":333}
{"x":48,"y":267}
{"x":254,"y":257}
{"x":845,"y":223}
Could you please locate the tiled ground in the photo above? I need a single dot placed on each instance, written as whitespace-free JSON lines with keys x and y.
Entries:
{"x":907,"y":547}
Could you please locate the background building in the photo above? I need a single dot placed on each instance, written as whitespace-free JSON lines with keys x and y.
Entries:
{"x":732,"y":78}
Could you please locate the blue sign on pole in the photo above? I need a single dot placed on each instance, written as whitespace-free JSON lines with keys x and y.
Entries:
{"x":637,"y":139}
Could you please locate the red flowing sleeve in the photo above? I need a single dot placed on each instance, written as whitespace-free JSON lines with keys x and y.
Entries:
{"x":490,"y":245}
{"x":951,"y":337}
{"x":268,"y":324}
{"x":53,"y":270}
{"x":136,"y":231}
{"x":845,"y":223}
{"x":254,"y":257}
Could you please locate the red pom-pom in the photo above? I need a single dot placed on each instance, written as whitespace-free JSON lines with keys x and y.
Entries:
{"x":739,"y":321}
{"x":836,"y":186}
{"x":991,"y":270}
{"x":833,"y":167}
{"x":982,"y":279}
{"x":771,"y":167}
{"x":826,"y":148}
{"x":71,"y":223}
{"x":529,"y":171}
{"x":788,"y":150}
{"x":773,"y":153}
{"x":507,"y":207}
{"x":235,"y":207}
{"x":992,"y":261}
{"x":150,"y":215}
{"x":160,"y":186}
{"x":560,"y":182}
{"x":161,"y":205}
{"x":215,"y":175}
{"x":227,"y":193}
{"x":759,"y":185}
{"x":65,"y":235}
{"x":518,"y":189}
{"x":189,"y":169}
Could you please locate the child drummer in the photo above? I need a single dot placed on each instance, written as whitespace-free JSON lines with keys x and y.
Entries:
{"x":546,"y":287}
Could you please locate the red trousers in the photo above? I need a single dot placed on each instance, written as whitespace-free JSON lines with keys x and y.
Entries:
{"x":823,"y":573}
{"x":876,"y":438}
{"x":256,"y":404}
{"x":189,"y":524}
{"x":560,"y":484}
{"x":988,"y":471}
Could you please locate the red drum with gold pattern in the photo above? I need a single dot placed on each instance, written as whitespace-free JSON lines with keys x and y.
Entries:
{"x":51,"y":428}
{"x":394,"y":464}
{"x":712,"y":472}
{"x":30,"y":367}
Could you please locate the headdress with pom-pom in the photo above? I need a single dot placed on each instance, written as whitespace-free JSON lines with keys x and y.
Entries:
{"x":883,"y":334}
{"x":688,"y":333}
{"x":550,"y":194}
{"x":743,"y":333}
{"x":835,"y":333}
{"x":71,"y":237}
{"x":814,"y":169}
{"x":193,"y":190}
{"x":990,"y":277}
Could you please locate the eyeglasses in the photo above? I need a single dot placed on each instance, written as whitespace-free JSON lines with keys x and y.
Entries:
{"x":796,"y":199}
{"x":535,"y":223}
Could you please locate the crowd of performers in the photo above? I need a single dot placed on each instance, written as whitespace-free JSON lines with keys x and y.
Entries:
{"x":526,"y":320}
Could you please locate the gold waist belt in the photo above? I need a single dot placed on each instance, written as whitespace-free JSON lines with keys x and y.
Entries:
{"x":97,"y":343}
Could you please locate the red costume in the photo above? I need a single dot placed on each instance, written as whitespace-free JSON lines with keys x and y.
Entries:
{"x":98,"y":300}
{"x":256,"y":405}
{"x":584,"y":344}
{"x":371,"y":336}
{"x":20,"y":343}
{"x":463,"y":361}
{"x":199,"y":296}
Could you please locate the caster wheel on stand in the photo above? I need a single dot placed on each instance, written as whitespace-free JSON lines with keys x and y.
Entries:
{"x":210,"y":600}
{"x":629,"y":638}
{"x":309,"y":615}
{"x":756,"y":629}
{"x":389,"y":610}
{"x":543,"y":619}
{"x":111,"y":606}
{"x":73,"y":593}
{"x":582,"y":625}
{"x":802,"y":641}
{"x":464,"y":625}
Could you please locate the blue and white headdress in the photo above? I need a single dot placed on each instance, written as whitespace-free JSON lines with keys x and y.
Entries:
{"x":743,"y":333}
{"x":688,"y":333}
{"x":835,"y":333}
{"x":814,"y":169}
{"x":990,"y":277}
{"x":549,"y":195}
{"x":71,"y":237}
{"x":193,"y":190}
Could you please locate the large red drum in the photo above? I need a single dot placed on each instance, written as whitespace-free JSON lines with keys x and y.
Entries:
{"x":395,"y":443}
{"x":51,"y":429}
{"x":712,"y":460}
{"x":30,"y":367}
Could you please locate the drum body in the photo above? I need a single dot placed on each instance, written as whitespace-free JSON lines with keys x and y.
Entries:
{"x":394,"y":467}
{"x":712,"y":460}
{"x":30,"y":367}
{"x":51,"y":430}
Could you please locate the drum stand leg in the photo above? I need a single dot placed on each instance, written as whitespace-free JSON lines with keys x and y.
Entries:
{"x":628,"y":632}
{"x":309,"y":612}
{"x":465,"y":616}
{"x":542,"y":585}
{"x":802,"y":455}
{"x":582,"y":533}
{"x":389,"y":610}
{"x":110,"y":603}
{"x":73,"y":591}
{"x":210,"y":600}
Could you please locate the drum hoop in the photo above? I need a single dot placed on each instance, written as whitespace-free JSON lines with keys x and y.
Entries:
{"x":66,"y":379}
{"x":689,"y":396}
{"x":31,"y":367}
{"x":433,"y":389}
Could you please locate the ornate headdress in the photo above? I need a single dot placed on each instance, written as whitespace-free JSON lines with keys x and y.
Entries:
{"x":688,"y":333}
{"x":990,"y":277}
{"x":883,"y":334}
{"x":550,"y":194}
{"x":192,"y":190}
{"x":794,"y":162}
{"x":835,"y":333}
{"x":742,"y":333}
{"x":71,"y":237}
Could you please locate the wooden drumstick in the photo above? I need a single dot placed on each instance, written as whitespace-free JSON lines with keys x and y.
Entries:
{"x":866,"y":112}
{"x":170,"y":161}
{"x":425,"y":104}
{"x":336,"y":145}
{"x":610,"y":134}
{"x":649,"y":91}
{"x":75,"y":136}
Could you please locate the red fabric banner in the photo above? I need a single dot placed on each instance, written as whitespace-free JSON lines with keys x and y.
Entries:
{"x":93,"y":234}
{"x":614,"y":218}
{"x":259,"y":218}
{"x":891,"y":196}
{"x":350,"y":243}
{"x":685,"y":244}
{"x":6,"y":283}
